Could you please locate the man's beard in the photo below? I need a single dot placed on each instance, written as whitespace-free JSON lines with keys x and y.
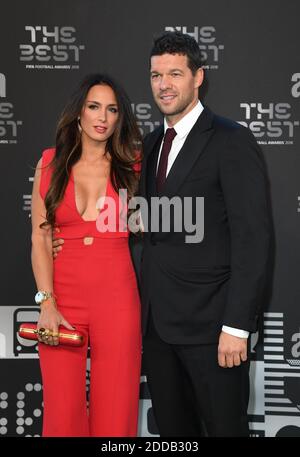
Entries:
{"x":180,"y":108}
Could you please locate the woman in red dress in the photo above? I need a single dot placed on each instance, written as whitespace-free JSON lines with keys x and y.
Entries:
{"x":91,"y":285}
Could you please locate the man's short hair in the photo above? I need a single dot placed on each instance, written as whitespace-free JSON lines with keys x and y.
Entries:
{"x":178,"y":43}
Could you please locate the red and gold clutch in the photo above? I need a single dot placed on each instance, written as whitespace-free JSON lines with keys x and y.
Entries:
{"x":66,"y":337}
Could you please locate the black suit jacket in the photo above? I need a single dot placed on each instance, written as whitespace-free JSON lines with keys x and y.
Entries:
{"x":194,"y":289}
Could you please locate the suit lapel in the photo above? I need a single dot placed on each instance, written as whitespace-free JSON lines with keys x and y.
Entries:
{"x":148,"y":175}
{"x":192,"y":149}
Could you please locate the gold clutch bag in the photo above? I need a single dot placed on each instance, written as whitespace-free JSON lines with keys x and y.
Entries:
{"x":65,"y":337}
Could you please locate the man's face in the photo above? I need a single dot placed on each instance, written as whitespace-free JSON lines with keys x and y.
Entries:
{"x":174,"y":87}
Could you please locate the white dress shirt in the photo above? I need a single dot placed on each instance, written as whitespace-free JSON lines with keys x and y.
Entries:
{"x":183,"y":128}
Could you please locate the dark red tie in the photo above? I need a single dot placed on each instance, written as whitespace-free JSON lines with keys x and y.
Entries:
{"x":163,"y":161}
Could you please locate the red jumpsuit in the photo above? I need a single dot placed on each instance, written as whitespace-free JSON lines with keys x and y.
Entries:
{"x":96,"y":290}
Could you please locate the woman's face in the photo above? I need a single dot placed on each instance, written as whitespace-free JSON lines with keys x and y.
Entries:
{"x":99,"y":114}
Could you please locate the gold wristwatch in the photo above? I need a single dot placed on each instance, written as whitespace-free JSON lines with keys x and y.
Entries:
{"x":42,"y":295}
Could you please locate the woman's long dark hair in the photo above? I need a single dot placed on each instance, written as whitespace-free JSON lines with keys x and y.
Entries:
{"x":123,"y":146}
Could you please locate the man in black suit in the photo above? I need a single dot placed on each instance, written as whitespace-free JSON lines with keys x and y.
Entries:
{"x":200,"y":300}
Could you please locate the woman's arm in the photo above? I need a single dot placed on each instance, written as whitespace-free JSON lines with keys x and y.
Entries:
{"x":42,"y":261}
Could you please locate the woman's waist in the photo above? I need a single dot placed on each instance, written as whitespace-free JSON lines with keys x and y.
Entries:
{"x":90,"y":241}
{"x":88,"y":229}
{"x":86,"y":257}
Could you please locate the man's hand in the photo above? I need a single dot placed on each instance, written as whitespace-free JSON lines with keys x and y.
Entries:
{"x":56,"y":242}
{"x":232,"y":350}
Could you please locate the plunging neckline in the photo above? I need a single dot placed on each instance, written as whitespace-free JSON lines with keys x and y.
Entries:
{"x":101,"y":196}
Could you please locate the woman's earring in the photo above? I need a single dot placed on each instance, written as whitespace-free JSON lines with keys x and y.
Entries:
{"x":79,"y":126}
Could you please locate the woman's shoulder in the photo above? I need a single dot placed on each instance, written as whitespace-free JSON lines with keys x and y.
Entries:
{"x":47,"y":156}
{"x":45,"y":171}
